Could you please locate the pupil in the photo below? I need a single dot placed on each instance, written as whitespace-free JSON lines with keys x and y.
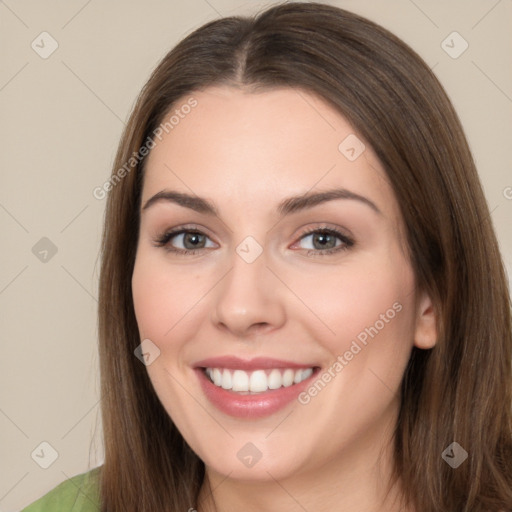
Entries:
{"x":323,"y":239}
{"x":193,"y":238}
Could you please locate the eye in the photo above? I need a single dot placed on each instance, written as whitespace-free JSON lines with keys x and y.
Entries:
{"x":317,"y":241}
{"x":184,"y":241}
{"x":321,"y":241}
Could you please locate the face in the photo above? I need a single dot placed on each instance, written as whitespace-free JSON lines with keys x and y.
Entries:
{"x":270,"y":260}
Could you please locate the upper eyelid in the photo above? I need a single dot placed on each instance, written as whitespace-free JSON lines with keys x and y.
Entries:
{"x":304,"y":231}
{"x":307,"y":231}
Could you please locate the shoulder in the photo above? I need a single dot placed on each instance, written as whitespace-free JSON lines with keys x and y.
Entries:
{"x":77,"y":494}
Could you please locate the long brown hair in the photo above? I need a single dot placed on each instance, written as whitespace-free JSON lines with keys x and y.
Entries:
{"x":461,"y":390}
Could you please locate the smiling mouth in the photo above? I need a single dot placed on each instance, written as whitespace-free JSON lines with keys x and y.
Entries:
{"x":257,"y":381}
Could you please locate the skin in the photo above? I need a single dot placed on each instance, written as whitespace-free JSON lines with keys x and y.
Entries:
{"x":245,"y":152}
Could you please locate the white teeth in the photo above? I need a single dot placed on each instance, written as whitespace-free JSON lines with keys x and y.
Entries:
{"x":306,"y":373}
{"x":240,"y":381}
{"x":227,"y":381}
{"x":275,"y":380}
{"x":257,"y":381}
{"x":288,"y":377}
{"x":217,"y":377}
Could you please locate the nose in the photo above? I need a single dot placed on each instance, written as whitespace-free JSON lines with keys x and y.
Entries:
{"x":248,"y":300}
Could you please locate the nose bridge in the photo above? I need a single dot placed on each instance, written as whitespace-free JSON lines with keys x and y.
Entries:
{"x":246,"y":297}
{"x":245,"y":283}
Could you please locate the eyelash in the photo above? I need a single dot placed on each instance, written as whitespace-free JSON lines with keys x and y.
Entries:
{"x":347,"y":242}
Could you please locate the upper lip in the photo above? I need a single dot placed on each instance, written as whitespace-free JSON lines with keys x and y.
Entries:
{"x":258,"y":363}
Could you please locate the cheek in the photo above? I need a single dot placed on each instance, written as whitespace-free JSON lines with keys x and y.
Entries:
{"x":163,"y":297}
{"x":150,"y":302}
{"x":164,"y":300}
{"x":354,"y":304}
{"x":372,"y":316}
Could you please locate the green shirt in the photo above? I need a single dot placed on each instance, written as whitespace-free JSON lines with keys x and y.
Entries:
{"x":77,"y":494}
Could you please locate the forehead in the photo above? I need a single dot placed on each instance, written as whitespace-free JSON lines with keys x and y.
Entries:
{"x":260,"y":146}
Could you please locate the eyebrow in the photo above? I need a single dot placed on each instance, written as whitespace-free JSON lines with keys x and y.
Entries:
{"x":286,"y":207}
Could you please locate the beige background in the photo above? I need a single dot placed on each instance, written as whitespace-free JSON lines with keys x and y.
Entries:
{"x":61,"y":119}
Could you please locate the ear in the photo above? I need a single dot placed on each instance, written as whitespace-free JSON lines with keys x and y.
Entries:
{"x":425,"y":334}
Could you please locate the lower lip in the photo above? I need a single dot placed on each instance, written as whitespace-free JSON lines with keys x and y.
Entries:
{"x":251,"y":406}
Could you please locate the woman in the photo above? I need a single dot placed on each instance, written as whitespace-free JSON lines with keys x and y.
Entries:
{"x":302,"y":302}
